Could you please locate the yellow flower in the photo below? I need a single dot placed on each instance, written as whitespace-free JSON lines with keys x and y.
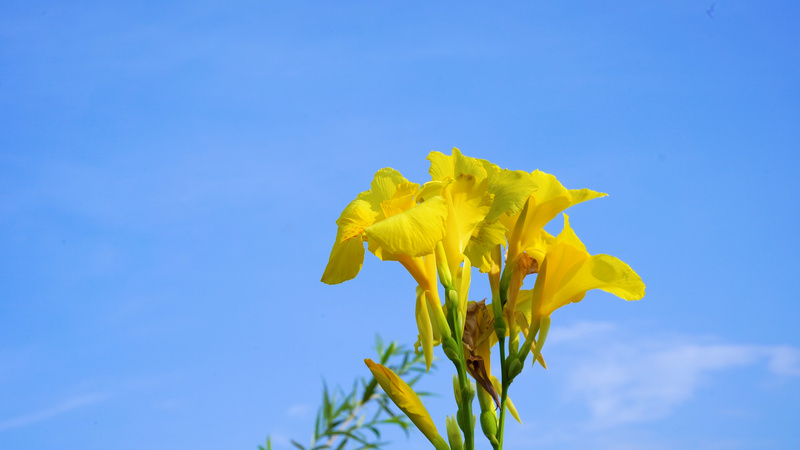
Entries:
{"x":407,"y":400}
{"x":390,"y":220}
{"x":510,"y":190}
{"x":396,"y":228}
{"x":464,"y":184}
{"x":526,"y":230}
{"x":569,"y":271}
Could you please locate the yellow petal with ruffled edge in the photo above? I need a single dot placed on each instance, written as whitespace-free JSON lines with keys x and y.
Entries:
{"x":401,"y":200}
{"x":537,"y":246}
{"x":602,"y":272}
{"x":569,"y":271}
{"x":384,"y":186}
{"x":549,"y":199}
{"x":347,"y":255}
{"x":431,"y":189}
{"x":413,"y":232}
{"x":484,"y":238}
{"x":510,"y":189}
{"x":463,"y":182}
{"x":390,"y":194}
{"x":468,"y":202}
{"x":444,"y":167}
{"x":407,"y":400}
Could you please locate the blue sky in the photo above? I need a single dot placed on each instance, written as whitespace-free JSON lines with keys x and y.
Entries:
{"x":170,"y":174}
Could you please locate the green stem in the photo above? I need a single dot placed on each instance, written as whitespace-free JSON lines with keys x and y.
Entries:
{"x":503,"y":393}
{"x":505,"y":280}
{"x":465,"y":418}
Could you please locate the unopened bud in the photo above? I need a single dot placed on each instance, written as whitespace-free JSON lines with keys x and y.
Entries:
{"x":489,"y":426}
{"x":514,"y":369}
{"x":445,"y":277}
{"x":451,"y":349}
{"x":454,"y":434}
{"x":457,"y":390}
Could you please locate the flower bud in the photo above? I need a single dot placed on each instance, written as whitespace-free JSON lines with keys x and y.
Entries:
{"x":454,"y":434}
{"x":451,"y":349}
{"x":407,"y":400}
{"x":489,"y":426}
{"x":514,"y":368}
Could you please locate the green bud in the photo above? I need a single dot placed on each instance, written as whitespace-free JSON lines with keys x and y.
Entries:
{"x":526,"y":348}
{"x":457,"y":390}
{"x":463,"y":422}
{"x":489,"y":427}
{"x":450,"y":348}
{"x":513,"y":345}
{"x":445,"y":277}
{"x":500,"y":326}
{"x":514,"y":368}
{"x":452,"y":298}
{"x":471,"y":390}
{"x":486,"y":401}
{"x":454,"y":433}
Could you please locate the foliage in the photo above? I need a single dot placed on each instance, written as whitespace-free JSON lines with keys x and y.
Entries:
{"x":356,"y":417}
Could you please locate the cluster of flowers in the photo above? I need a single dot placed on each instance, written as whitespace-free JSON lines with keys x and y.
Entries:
{"x":474,"y":214}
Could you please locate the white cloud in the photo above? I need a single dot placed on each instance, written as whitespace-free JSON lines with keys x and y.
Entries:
{"x":302,"y":411}
{"x":61,"y":408}
{"x":622,"y":379}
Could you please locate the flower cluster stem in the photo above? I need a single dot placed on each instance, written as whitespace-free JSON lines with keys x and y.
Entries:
{"x":504,"y":361}
{"x":466,"y":420}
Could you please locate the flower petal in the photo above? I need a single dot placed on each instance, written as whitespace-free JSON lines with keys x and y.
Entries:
{"x":413,"y":232}
{"x":407,"y":400}
{"x":484,"y":238}
{"x":510,"y":188}
{"x":384,"y":184}
{"x":568,"y":272}
{"x":444,"y":167}
{"x":347,"y":254}
{"x":470,"y":203}
{"x":603,"y":272}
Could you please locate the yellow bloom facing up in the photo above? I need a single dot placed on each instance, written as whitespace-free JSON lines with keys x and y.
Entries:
{"x":407,"y":400}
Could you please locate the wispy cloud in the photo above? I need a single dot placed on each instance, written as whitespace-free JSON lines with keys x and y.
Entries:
{"x":300,"y":410}
{"x":53,"y":411}
{"x":622,"y":379}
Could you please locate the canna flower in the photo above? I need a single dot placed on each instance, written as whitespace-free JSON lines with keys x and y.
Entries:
{"x":526,"y":230}
{"x":397,"y":226}
{"x":527,"y":240}
{"x":389,"y":219}
{"x":568,"y":271}
{"x":407,"y":400}
{"x":464,"y":184}
{"x":510,"y":189}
